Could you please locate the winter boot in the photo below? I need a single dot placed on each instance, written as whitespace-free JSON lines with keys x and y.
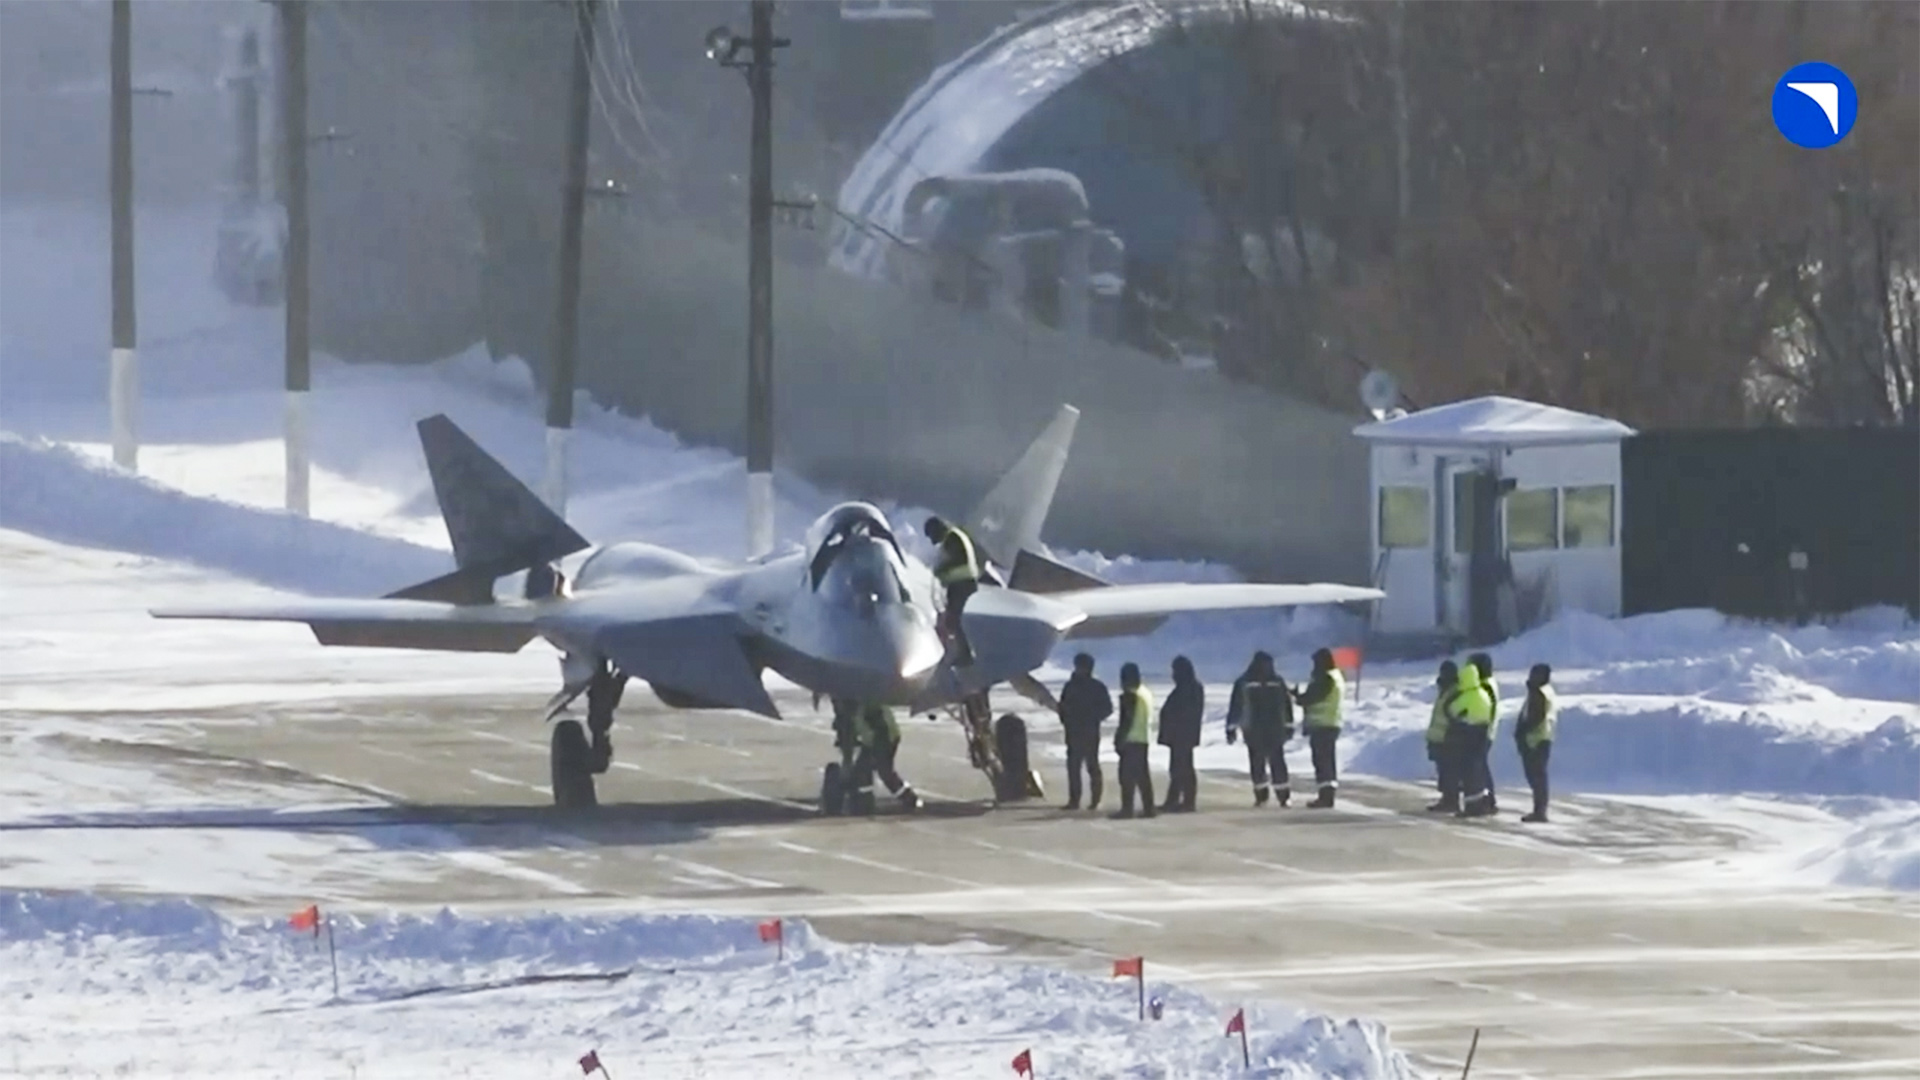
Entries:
{"x":1286,"y":796}
{"x":1324,"y":801}
{"x":908,"y":798}
{"x":1538,"y":817}
{"x":1260,"y":797}
{"x":1447,"y":805}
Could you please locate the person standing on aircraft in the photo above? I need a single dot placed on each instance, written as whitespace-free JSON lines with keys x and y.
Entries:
{"x":1472,"y":719}
{"x":1534,"y":736}
{"x":1484,"y":665}
{"x":1130,"y":741}
{"x":957,"y":568}
{"x":1180,"y":733}
{"x":1084,"y":705}
{"x":879,"y":735}
{"x":1261,"y":708}
{"x":1320,"y":705}
{"x":1440,"y":747}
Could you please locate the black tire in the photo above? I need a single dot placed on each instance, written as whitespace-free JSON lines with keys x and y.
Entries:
{"x":571,"y":757}
{"x":1010,"y":745}
{"x":833,"y":790}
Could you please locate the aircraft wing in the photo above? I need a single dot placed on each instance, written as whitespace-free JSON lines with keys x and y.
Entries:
{"x":1116,"y":603}
{"x":388,"y":623}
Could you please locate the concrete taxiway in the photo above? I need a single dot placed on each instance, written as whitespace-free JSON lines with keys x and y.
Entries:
{"x":1619,"y":942}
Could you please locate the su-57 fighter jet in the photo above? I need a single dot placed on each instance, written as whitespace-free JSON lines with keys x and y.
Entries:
{"x":850,"y":614}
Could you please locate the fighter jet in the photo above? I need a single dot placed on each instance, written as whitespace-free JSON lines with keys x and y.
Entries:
{"x":849,"y":614}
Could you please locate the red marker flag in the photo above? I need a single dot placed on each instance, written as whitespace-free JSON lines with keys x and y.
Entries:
{"x":770,"y":930}
{"x":1130,"y":966}
{"x":1238,"y":1025}
{"x":590,"y":1063}
{"x":1023,"y":1063}
{"x":1347,"y":658}
{"x":307,"y":918}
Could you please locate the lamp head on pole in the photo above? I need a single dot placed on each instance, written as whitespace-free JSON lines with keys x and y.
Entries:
{"x":722,"y":44}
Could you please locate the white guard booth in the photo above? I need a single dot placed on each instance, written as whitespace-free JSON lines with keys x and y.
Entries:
{"x":1547,"y":482}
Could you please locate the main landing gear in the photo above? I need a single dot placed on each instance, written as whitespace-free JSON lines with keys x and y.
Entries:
{"x":579,"y":752}
{"x":998,"y":749}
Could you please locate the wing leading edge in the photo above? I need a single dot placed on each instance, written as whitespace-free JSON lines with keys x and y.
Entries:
{"x":1119,"y":603}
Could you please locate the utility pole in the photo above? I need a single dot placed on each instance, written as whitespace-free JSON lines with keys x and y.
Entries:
{"x":722,"y":46}
{"x":293,"y":128}
{"x":1396,"y":39}
{"x":566,"y":312}
{"x":123,"y":388}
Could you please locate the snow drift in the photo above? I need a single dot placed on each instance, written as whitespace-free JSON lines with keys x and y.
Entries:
{"x":520,"y":996}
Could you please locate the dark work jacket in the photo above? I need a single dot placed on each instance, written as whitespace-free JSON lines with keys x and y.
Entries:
{"x":1084,"y":703}
{"x":1180,"y":716}
{"x":1262,"y":708}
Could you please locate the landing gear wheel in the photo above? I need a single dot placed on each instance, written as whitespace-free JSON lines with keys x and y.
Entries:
{"x":572,"y":760}
{"x":833,"y":790}
{"x":1017,"y":780}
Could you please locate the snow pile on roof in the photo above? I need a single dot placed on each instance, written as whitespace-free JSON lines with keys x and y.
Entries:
{"x":949,"y":125}
{"x":103,"y":987}
{"x":1494,"y":421}
{"x":1882,"y":852}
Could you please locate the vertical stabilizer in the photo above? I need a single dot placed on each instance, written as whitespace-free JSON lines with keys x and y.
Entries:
{"x":1009,"y":519}
{"x":497,"y":525}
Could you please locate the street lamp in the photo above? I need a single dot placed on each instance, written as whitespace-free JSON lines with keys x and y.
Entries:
{"x":723,"y":47}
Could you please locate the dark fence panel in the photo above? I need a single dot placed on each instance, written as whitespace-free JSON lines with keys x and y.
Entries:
{"x":1711,"y":518}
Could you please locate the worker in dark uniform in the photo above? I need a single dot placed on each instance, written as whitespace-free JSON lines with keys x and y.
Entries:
{"x":1484,"y":665}
{"x":1180,"y":733}
{"x":879,"y":738}
{"x":846,"y":732}
{"x":1131,"y":739}
{"x":1261,"y":710}
{"x":1534,"y":736}
{"x":1320,"y":715}
{"x":957,"y":568}
{"x":1471,"y":715}
{"x":1084,"y":705}
{"x":1440,"y":749}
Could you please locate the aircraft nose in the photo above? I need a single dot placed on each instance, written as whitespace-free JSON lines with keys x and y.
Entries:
{"x":913,"y":648}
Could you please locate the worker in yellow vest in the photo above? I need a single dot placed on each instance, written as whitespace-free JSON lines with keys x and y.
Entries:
{"x":1320,"y":718}
{"x":1534,"y":734}
{"x":1471,"y":725}
{"x":957,"y":568}
{"x":1131,"y":739}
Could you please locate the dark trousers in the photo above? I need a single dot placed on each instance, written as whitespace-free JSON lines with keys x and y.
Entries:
{"x":1471,"y":749}
{"x":877,"y":760}
{"x":957,"y":594}
{"x":1264,"y":759}
{"x":1135,"y":776}
{"x":1534,"y":760}
{"x":1326,"y":768}
{"x":1182,"y":783}
{"x":1083,"y":752}
{"x":1446,"y":772}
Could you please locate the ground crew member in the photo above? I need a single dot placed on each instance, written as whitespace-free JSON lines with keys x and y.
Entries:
{"x":1180,"y":733}
{"x":1440,"y":750}
{"x":1131,"y":739}
{"x":846,"y":733}
{"x":1484,"y":665}
{"x":1534,"y":736}
{"x":1084,"y":705}
{"x":879,"y":738}
{"x":1261,"y":707}
{"x":957,"y":568}
{"x":1320,"y":715}
{"x":1471,"y":716}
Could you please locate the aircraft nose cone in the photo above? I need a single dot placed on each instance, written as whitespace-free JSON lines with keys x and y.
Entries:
{"x":914,"y":649}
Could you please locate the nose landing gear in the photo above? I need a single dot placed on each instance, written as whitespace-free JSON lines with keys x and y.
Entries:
{"x":579,"y":752}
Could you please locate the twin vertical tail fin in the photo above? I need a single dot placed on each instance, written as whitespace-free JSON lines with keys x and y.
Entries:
{"x":497,"y":525}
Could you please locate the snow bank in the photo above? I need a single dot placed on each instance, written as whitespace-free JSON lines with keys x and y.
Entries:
{"x":1883,"y":851}
{"x":175,"y":983}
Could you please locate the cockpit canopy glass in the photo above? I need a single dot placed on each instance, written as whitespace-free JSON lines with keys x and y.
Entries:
{"x":858,"y":559}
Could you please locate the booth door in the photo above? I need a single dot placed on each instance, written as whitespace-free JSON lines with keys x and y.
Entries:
{"x":1470,"y":567}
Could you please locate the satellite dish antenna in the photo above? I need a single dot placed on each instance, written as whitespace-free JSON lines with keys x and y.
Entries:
{"x":1379,"y":393}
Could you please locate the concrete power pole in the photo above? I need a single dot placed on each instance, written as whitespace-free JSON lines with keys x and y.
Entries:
{"x":123,"y":388}
{"x":293,"y":128}
{"x":566,"y":313}
{"x":1396,"y":38}
{"x":760,"y":289}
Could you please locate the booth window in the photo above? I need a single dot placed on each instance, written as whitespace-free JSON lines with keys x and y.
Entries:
{"x":1589,"y":516}
{"x":1532,"y":520}
{"x":1405,"y":517}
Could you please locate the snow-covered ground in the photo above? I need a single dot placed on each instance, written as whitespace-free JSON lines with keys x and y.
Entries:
{"x":1810,"y":736}
{"x":173,"y":989}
